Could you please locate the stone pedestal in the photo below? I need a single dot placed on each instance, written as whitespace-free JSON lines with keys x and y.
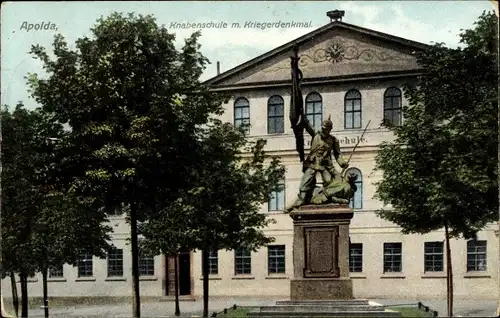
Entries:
{"x":321,"y":253}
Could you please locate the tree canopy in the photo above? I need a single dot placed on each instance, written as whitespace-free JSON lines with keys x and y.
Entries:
{"x":118,"y":92}
{"x":134,"y":106}
{"x":221,"y":208}
{"x":441,"y":169}
{"x":41,"y":227}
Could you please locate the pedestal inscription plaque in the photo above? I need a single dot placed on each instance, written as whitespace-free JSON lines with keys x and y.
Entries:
{"x":321,"y":252}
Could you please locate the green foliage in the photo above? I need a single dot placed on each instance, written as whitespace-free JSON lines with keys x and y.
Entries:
{"x":142,"y":136}
{"x":119,"y":93}
{"x":220,"y":209}
{"x":442,"y":167}
{"x":40,"y":227}
{"x":19,"y":196}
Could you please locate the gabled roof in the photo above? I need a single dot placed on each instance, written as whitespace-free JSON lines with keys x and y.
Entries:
{"x":318,"y":32}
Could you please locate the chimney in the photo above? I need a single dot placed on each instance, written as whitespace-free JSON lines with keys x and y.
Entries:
{"x":218,"y":68}
{"x":335,"y":15}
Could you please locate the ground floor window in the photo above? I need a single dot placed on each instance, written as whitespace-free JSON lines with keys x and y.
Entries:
{"x":276,"y":259}
{"x":476,"y":256}
{"x":85,"y":265}
{"x":433,"y":256}
{"x":56,"y":271}
{"x":115,"y":262}
{"x":392,"y":257}
{"x":355,"y":257}
{"x":146,"y":265}
{"x":213,"y":263}
{"x":242,"y":262}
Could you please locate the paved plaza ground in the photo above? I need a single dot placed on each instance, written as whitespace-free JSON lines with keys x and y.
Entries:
{"x":464,"y":308}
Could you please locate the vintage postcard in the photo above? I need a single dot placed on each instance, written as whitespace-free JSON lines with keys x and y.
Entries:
{"x":369,"y":184}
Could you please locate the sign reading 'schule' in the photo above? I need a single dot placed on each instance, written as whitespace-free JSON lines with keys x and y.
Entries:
{"x":351,"y":140}
{"x":347,"y":141}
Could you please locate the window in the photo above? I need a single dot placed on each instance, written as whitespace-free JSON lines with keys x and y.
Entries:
{"x":275,"y":115}
{"x":392,"y":257}
{"x":392,"y":106}
{"x":433,"y":257}
{"x":242,"y":262}
{"x":115,"y":262}
{"x":276,"y":259}
{"x":314,"y":110}
{"x":213,"y":263}
{"x":357,"y":199}
{"x":277,"y":200}
{"x":85,"y":265}
{"x":476,"y":256}
{"x":242,"y":113}
{"x":355,"y":257}
{"x":352,"y":109}
{"x":56,"y":271}
{"x":146,"y":265}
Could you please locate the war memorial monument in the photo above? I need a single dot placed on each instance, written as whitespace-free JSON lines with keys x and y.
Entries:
{"x":321,"y":286}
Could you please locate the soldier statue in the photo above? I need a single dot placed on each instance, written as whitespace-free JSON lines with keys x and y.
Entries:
{"x":319,"y":160}
{"x":337,"y":188}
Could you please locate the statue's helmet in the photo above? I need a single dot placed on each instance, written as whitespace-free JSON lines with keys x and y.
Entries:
{"x":327,"y":123}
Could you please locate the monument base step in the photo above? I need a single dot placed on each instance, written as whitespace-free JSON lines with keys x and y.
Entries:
{"x":337,"y":308}
{"x":323,"y":309}
{"x":304,"y":289}
{"x":331,"y":302}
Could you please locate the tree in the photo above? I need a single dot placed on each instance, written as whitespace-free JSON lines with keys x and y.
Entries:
{"x":41,"y":228}
{"x":19,"y":196}
{"x":119,"y":93}
{"x":15,"y":299}
{"x":220,"y":210}
{"x":441,"y":169}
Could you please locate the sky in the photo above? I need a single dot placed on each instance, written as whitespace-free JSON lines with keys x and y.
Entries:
{"x":422,"y":21}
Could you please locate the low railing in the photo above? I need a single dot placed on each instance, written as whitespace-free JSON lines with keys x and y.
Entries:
{"x":419,"y":305}
{"x":427,"y":309}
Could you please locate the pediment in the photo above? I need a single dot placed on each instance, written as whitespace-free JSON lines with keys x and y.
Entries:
{"x":337,"y":52}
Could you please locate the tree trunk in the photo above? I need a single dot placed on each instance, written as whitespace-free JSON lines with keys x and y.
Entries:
{"x":45,"y":292}
{"x":176,"y":285}
{"x":24,"y":295}
{"x":204,"y":256}
{"x":136,"y":302}
{"x":449,"y":273}
{"x":15,"y":296}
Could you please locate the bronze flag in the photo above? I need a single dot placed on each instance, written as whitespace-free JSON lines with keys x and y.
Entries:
{"x":297,"y":105}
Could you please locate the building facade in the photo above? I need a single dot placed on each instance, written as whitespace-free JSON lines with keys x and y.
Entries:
{"x":355,"y":76}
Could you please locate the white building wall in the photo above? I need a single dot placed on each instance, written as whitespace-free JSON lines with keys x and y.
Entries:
{"x":366,"y":227}
{"x":99,"y":284}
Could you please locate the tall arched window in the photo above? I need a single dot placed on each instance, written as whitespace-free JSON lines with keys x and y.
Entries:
{"x":352,"y":109}
{"x":357,"y":200}
{"x":242,"y":113}
{"x":275,"y":115}
{"x":314,"y":110}
{"x":393,"y":106}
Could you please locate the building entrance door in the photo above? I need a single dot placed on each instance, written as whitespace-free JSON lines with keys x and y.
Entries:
{"x":183,"y":274}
